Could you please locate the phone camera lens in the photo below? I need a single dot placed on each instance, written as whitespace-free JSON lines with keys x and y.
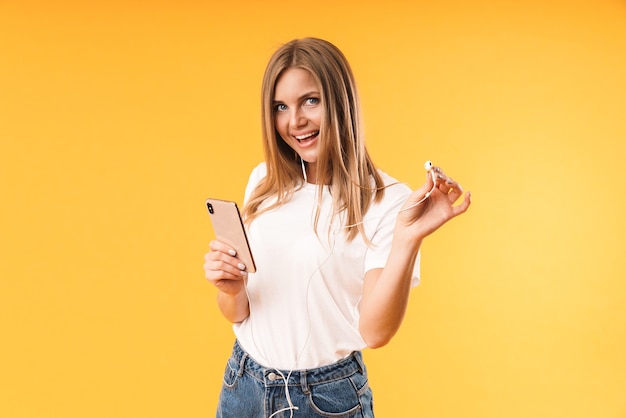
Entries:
{"x":210,"y":206}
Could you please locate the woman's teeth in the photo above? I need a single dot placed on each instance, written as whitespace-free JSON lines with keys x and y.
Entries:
{"x":306,"y":136}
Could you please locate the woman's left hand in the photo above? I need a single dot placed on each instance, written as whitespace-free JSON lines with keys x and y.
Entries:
{"x":422,"y":219}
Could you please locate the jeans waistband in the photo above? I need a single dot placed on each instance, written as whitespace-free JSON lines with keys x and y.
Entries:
{"x":309,"y":377}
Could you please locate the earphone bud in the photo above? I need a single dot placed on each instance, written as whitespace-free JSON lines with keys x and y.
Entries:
{"x":428,"y":166}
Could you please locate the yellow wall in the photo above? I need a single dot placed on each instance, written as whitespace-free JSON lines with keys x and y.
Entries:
{"x":118,"y":118}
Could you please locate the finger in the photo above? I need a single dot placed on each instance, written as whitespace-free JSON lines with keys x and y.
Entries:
{"x":443,"y":188}
{"x":216,"y":258}
{"x":216,"y":277}
{"x":223,"y":279}
{"x":444,"y":183}
{"x":219,"y":265}
{"x":459,"y":209}
{"x":222,"y":271}
{"x":228,"y":266}
{"x":443,"y":179}
{"x":440,"y":176}
{"x":216,"y":245}
{"x":420,"y":194}
{"x":226,"y":253}
{"x":455,"y":190}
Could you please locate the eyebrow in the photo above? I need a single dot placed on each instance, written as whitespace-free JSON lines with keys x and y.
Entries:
{"x":304,"y":96}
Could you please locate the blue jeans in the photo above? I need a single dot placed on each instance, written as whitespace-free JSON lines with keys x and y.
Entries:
{"x":253,"y":391}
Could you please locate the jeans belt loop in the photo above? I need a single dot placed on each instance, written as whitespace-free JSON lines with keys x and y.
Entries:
{"x":242,"y":364}
{"x":359,"y":361}
{"x":303,"y":382}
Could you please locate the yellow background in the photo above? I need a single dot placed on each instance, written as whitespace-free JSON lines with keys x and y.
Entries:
{"x":118,"y":118}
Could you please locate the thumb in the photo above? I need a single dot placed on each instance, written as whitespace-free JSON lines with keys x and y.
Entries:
{"x":421,"y":194}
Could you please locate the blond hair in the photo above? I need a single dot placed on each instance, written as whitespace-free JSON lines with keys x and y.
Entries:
{"x":344,"y":164}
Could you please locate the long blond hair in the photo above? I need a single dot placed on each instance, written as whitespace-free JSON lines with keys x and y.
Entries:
{"x":344,"y":164}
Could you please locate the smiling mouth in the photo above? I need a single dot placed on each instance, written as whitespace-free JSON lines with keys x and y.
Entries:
{"x":306,"y":137}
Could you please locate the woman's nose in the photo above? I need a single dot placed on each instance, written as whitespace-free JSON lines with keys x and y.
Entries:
{"x":297,"y":119}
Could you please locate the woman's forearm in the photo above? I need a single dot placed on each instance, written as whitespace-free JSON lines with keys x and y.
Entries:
{"x":235,"y":308}
{"x":386,"y":294}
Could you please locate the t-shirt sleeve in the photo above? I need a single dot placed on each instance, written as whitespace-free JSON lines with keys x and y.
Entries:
{"x":377,"y":255}
{"x":257,"y":174}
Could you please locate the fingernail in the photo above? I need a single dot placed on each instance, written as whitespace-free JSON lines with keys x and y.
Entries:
{"x":232,"y":252}
{"x":241,"y":266}
{"x":243,"y":273}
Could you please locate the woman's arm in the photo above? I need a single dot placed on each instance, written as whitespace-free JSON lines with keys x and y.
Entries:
{"x":235,"y":308}
{"x":386,"y":290}
{"x":226,"y":272}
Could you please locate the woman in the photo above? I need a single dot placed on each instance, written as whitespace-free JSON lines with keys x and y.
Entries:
{"x":336,"y":244}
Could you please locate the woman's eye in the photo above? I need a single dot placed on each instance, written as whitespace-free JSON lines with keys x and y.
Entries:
{"x":312,"y":101}
{"x":281,"y":107}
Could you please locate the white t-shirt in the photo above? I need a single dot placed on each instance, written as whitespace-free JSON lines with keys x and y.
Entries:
{"x":306,"y":292}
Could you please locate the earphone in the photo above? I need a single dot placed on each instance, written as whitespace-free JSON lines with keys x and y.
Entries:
{"x":428,"y":166}
{"x":329,"y":260}
{"x":303,"y":170}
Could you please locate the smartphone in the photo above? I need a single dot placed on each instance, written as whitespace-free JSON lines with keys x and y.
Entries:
{"x":228,"y":228}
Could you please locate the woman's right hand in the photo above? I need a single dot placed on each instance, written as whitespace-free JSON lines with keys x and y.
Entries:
{"x":223,"y":269}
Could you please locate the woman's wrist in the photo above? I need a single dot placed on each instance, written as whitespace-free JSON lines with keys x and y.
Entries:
{"x":406,"y":237}
{"x":405,"y":244}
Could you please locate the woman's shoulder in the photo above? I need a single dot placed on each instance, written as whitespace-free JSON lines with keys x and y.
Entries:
{"x":395,"y":193}
{"x":256,"y":175}
{"x":259,"y":171}
{"x":393,"y":186}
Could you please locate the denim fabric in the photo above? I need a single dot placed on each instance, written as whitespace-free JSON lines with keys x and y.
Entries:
{"x":253,"y":391}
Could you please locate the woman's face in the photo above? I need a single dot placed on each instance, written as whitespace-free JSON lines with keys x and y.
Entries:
{"x":298,"y":114}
